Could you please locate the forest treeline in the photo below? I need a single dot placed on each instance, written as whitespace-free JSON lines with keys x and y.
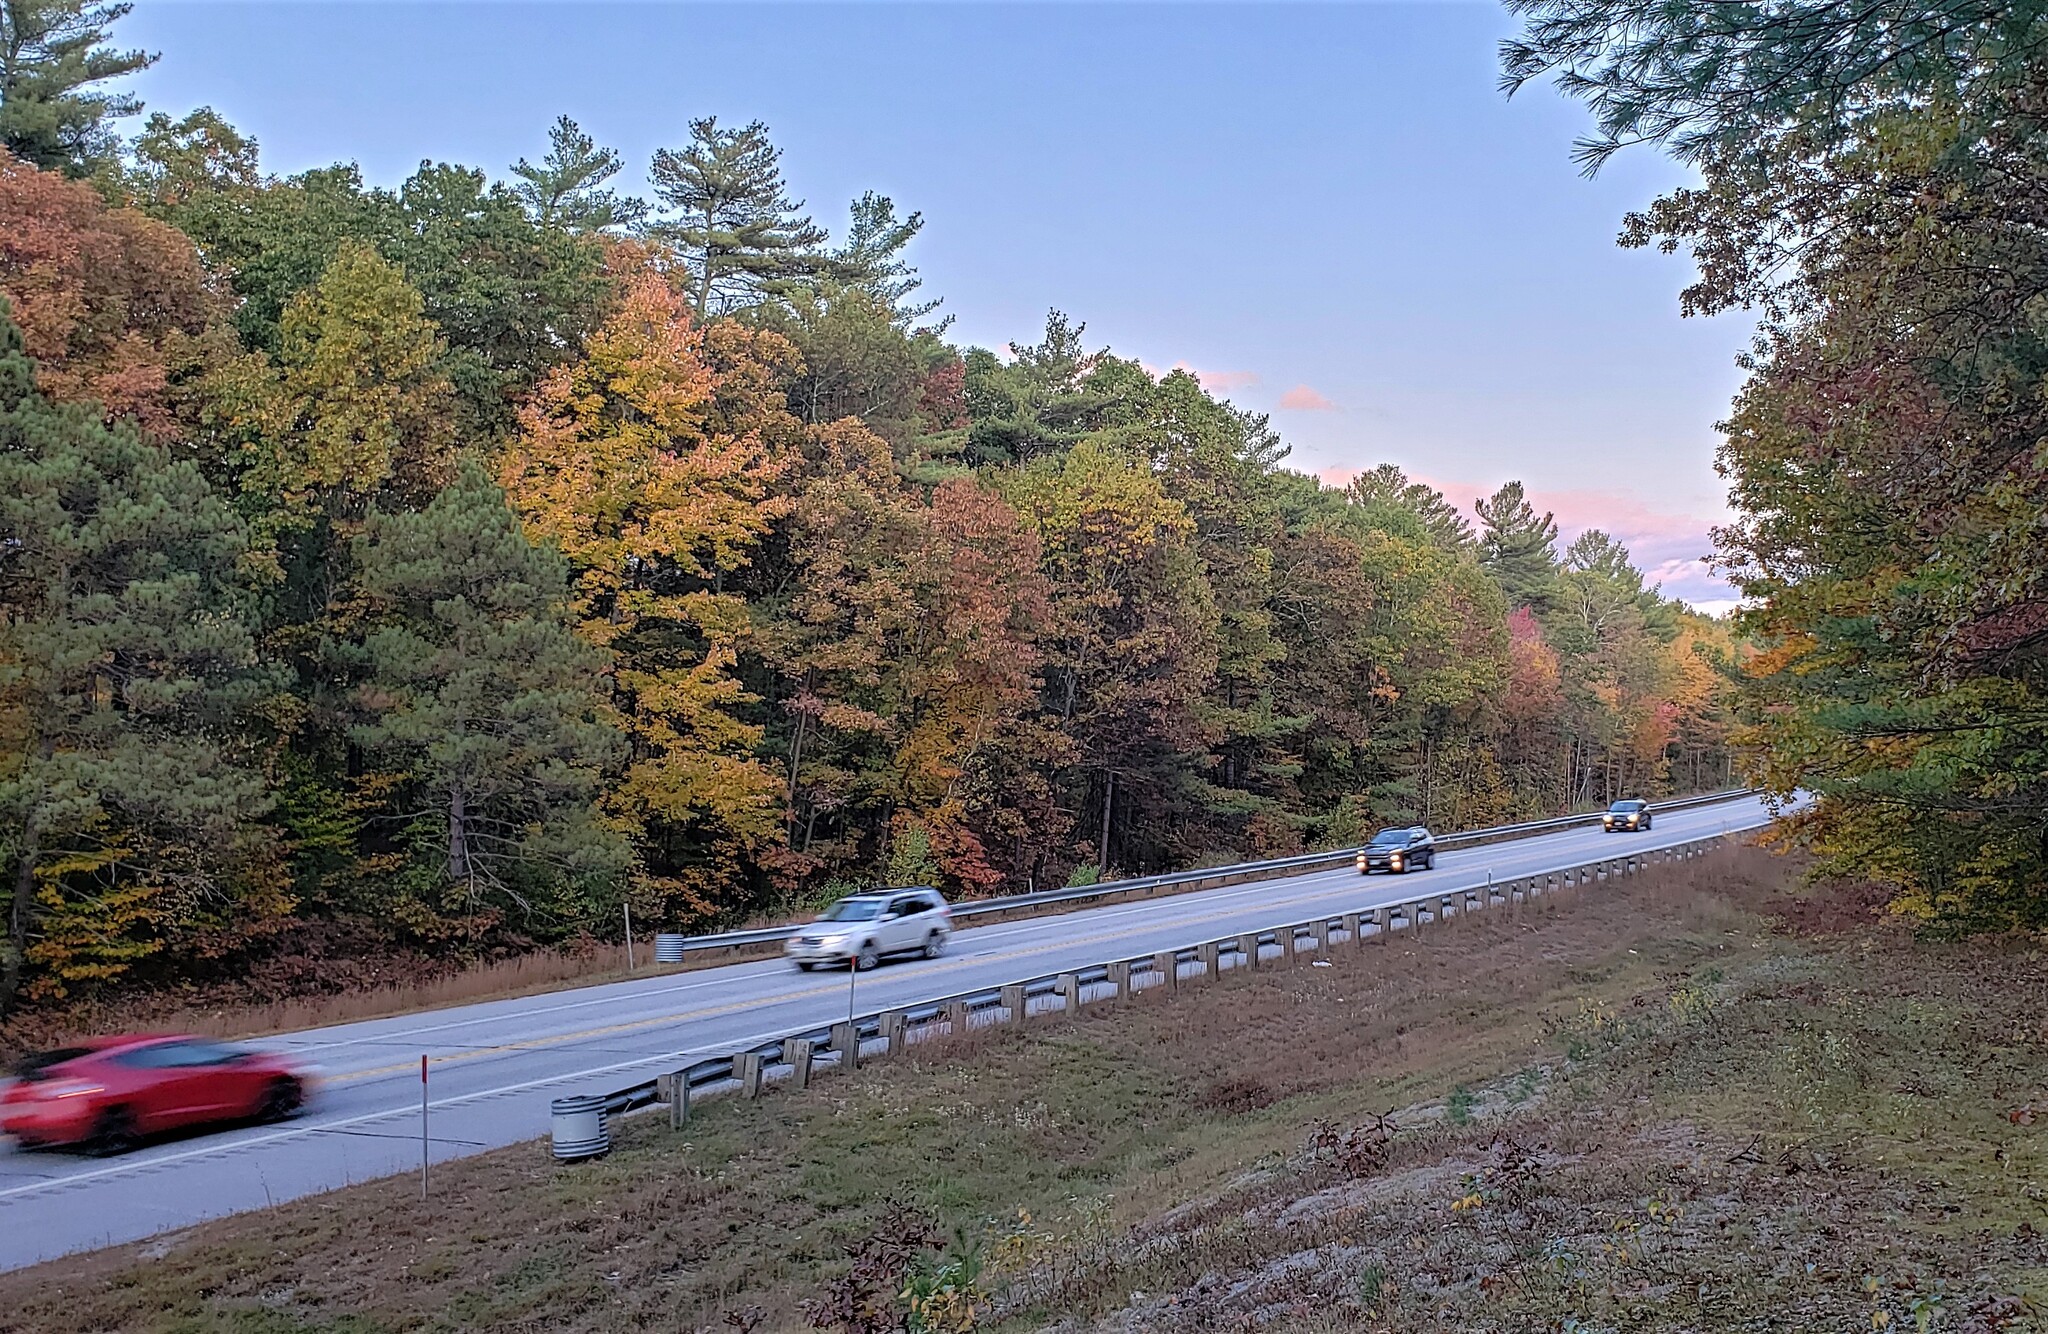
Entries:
{"x":466,"y":559}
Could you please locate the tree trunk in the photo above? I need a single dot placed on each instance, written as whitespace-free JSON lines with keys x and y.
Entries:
{"x":704,"y":274}
{"x":1108,"y":796}
{"x":458,"y":838}
{"x":796,"y":759}
{"x":14,"y":959}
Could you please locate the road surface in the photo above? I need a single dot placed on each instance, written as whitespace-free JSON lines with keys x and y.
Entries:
{"x":494,"y":1066}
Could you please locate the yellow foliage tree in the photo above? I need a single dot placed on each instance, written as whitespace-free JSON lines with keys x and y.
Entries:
{"x":652,"y":464}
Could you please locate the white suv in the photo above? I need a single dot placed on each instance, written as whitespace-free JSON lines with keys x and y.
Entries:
{"x":863,"y":928}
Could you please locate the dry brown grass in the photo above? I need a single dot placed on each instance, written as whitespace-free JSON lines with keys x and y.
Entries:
{"x":1666,"y":1106}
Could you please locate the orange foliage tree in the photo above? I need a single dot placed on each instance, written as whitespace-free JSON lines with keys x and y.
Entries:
{"x":112,"y":304}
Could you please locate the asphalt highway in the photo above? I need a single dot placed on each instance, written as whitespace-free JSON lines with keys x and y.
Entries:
{"x":492,"y":1067}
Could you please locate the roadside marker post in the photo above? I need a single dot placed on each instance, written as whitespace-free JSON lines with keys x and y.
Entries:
{"x":423,"y":1127}
{"x":629,"y":935}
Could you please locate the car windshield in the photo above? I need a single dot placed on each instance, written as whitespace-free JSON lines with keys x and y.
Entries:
{"x":33,"y":1067}
{"x":1626,"y":807}
{"x":852,"y":910}
{"x":1389,"y":836}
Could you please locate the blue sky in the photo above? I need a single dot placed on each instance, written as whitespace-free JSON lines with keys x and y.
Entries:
{"x":1328,"y":210}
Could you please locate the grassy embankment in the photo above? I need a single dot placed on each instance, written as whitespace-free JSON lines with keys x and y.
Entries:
{"x":1694,"y":1100}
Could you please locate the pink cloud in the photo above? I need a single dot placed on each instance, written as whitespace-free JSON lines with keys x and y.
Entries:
{"x":1221,"y":382}
{"x":1216,"y":382}
{"x":1301,"y":398}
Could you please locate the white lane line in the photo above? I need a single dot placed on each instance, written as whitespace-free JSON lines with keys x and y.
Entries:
{"x":1013,"y":939}
{"x":306,"y":1131}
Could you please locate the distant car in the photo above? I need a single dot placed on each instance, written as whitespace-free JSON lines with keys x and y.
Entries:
{"x":863,"y":929}
{"x":106,"y":1095}
{"x":1623,"y":816}
{"x":1399,"y":851}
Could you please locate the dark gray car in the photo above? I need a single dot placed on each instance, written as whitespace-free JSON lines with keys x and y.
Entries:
{"x":1398,"y":851}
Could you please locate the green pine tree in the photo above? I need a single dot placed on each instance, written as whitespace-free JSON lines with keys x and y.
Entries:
{"x":479,"y":690}
{"x":744,"y":238}
{"x":1518,"y":547}
{"x":128,"y":677}
{"x":567,"y":189}
{"x":871,"y":259}
{"x":52,"y":53}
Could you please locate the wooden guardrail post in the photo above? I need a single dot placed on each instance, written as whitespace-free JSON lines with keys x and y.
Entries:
{"x":846,"y":1041}
{"x":796,"y":1052}
{"x":958,"y":1018}
{"x":1166,"y":963}
{"x":1383,"y":924}
{"x":1015,"y":1002}
{"x":1321,"y":930}
{"x":1285,"y":938}
{"x":1120,"y":978}
{"x":1212,"y":960}
{"x":1248,"y":950}
{"x":1354,"y":929}
{"x":746,"y":1067}
{"x":895,"y":1032}
{"x":1070,"y":994}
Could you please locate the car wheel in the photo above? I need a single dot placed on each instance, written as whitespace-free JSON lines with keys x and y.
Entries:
{"x":867,"y":958}
{"x":1429,"y":862}
{"x":934,"y":944}
{"x":804,"y":965}
{"x":281,"y":1101}
{"x":112,"y":1135}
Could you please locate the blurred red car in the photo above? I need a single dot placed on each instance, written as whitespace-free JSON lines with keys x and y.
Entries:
{"x":106,"y":1094}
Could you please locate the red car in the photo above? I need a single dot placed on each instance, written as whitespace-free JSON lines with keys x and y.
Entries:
{"x":105,"y":1094}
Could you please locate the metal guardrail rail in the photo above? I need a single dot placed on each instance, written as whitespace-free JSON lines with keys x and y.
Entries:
{"x":977,"y":910}
{"x":793,"y":1057}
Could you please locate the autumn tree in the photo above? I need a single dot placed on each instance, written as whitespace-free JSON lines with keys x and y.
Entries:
{"x":53,"y":57}
{"x":652,"y":466}
{"x":355,"y":407}
{"x":112,"y":305}
{"x":907,"y":645}
{"x":177,"y":162}
{"x":129,"y":691}
{"x":1130,"y":643}
{"x":476,"y":688}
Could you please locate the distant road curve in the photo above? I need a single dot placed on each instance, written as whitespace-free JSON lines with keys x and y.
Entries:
{"x":492,"y":1066}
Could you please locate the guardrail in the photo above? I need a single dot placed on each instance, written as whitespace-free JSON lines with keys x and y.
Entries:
{"x":794,"y":1058}
{"x":976,"y":911}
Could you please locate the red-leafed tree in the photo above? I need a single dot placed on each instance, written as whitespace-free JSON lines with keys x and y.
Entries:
{"x":111,"y":304}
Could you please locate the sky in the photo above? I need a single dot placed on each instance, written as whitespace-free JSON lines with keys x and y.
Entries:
{"x":1328,"y":211}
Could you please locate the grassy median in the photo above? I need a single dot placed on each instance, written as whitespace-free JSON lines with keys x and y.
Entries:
{"x":1699,"y":1099}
